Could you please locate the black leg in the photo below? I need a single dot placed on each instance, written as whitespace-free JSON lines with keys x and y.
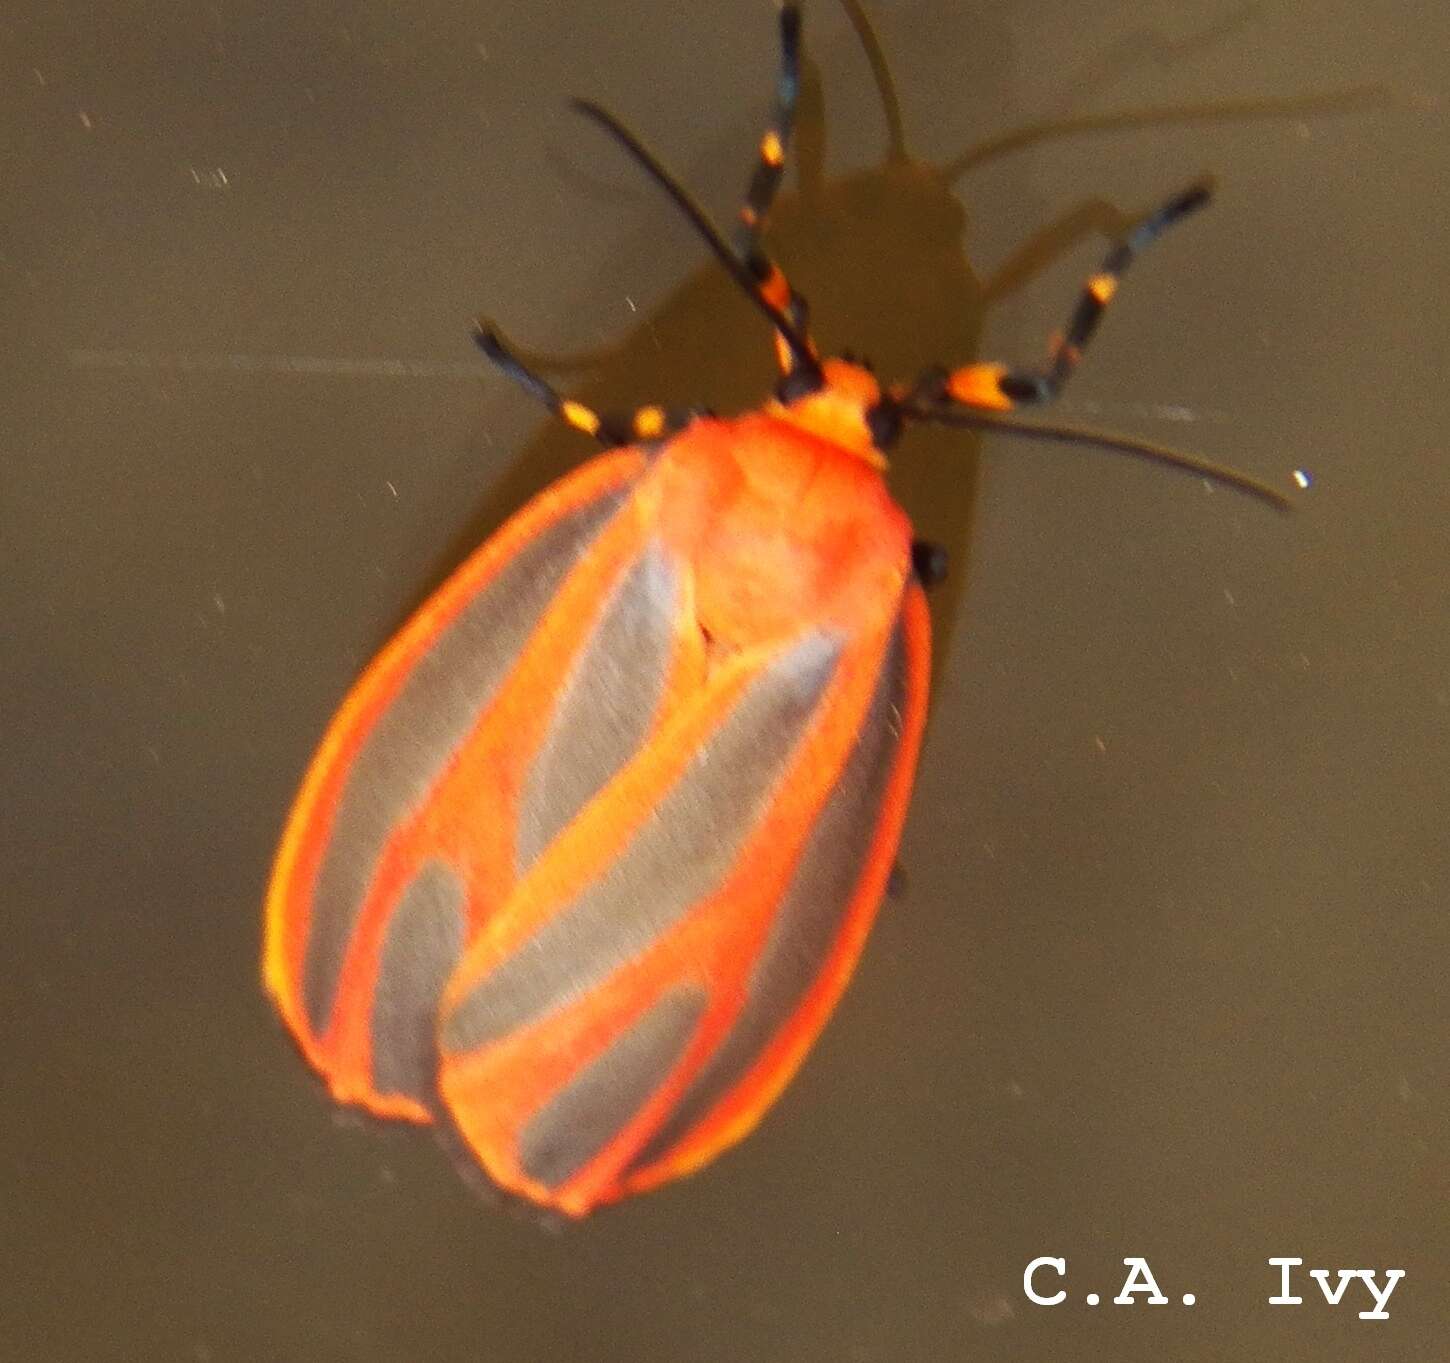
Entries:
{"x":765,"y":184}
{"x":997,"y":387}
{"x":620,"y":428}
{"x":930,"y":562}
{"x":758,"y":277}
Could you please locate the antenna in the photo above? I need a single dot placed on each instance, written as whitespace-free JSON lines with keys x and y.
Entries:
{"x":799,"y":347}
{"x":1140,"y":449}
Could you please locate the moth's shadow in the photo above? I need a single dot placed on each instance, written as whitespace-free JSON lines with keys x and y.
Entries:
{"x":880,"y":254}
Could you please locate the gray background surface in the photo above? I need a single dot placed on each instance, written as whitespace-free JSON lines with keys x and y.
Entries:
{"x":1167,"y":974}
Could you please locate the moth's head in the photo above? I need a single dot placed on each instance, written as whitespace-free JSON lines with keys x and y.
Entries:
{"x":840,"y":400}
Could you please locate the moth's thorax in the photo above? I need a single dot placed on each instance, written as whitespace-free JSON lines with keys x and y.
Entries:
{"x":781,"y":528}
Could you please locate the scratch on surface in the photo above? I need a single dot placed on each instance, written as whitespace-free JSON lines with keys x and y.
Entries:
{"x":327,"y":366}
{"x":1158,"y":411}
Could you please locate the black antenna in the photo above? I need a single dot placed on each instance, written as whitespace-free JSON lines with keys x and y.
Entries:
{"x":799,"y":347}
{"x":1108,"y":440}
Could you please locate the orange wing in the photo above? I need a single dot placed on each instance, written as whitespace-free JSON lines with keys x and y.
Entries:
{"x":653,"y":983}
{"x":589,"y":853}
{"x":362,"y":928}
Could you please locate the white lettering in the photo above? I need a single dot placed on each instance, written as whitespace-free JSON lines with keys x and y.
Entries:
{"x":1392,"y":1276}
{"x":1333,"y":1295}
{"x":1058,"y":1266}
{"x":1284,"y":1298}
{"x":1140,"y":1279}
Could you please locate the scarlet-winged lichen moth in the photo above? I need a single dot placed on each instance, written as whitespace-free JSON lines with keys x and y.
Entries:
{"x":590,"y":851}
